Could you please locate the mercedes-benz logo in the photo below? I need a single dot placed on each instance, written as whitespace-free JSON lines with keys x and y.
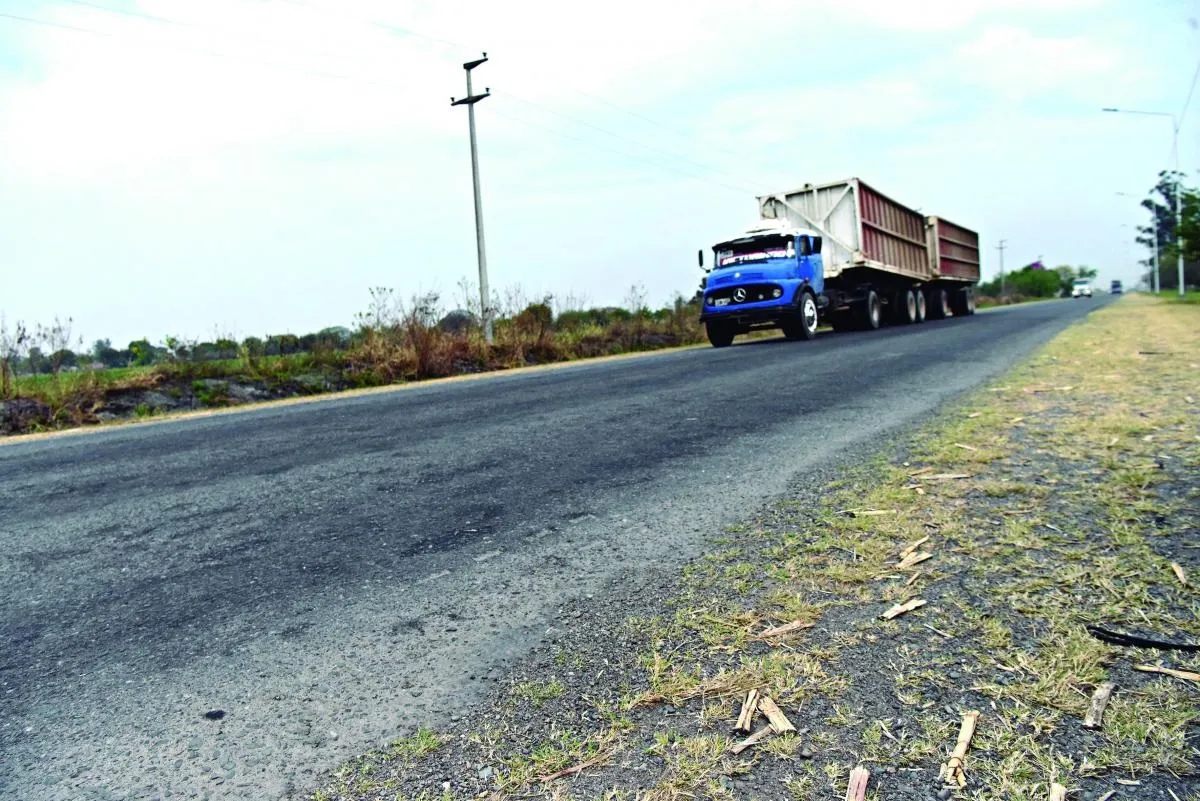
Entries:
{"x":739,"y":295}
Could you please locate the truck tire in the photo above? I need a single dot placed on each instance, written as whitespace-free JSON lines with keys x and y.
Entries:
{"x":963,"y":303}
{"x":939,"y":304}
{"x":920,"y":298}
{"x":869,"y":311}
{"x":804,"y":324}
{"x":719,"y":334}
{"x":905,"y":308}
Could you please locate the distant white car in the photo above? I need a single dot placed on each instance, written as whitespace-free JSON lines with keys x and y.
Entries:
{"x":1082,"y":288}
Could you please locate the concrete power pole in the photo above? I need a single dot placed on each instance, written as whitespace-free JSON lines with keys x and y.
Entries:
{"x":1003,"y":244}
{"x":469,"y":101}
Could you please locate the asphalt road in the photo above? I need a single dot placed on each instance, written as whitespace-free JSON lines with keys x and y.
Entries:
{"x":330,"y":575}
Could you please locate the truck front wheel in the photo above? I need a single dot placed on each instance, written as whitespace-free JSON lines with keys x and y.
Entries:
{"x":719,"y":334}
{"x":804,"y":324}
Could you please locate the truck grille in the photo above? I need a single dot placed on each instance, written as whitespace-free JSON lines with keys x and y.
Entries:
{"x":754,"y":293}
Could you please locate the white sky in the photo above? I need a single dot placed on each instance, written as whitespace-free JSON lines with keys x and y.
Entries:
{"x":149,"y":187}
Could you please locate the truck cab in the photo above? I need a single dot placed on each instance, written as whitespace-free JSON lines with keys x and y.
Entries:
{"x":770,"y":276}
{"x":1082,"y":288}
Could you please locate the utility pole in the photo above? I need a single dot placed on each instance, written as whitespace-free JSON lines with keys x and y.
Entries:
{"x":469,"y":101}
{"x":1000,"y":247}
{"x":1175,"y":123}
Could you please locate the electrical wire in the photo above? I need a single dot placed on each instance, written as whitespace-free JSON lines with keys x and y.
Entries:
{"x":705,"y":167}
{"x":206,"y":51}
{"x":209,"y":29}
{"x":635,"y":157}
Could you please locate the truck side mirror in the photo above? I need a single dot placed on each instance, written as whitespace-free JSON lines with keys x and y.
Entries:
{"x":700,"y":257}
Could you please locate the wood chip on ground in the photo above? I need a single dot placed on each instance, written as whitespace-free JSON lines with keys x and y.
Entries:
{"x":779,"y":722}
{"x":785,"y":629}
{"x":1179,"y":574}
{"x":1058,"y":792}
{"x":913,"y":559}
{"x":912,"y":548}
{"x":965,"y":447}
{"x":1179,"y":674}
{"x":745,"y":721}
{"x":1094,"y":718}
{"x":753,"y":739}
{"x":953,"y":770}
{"x":907,"y":606}
{"x":576,"y":769}
{"x":857,"y":789}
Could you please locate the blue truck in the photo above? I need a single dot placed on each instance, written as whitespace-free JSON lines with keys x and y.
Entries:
{"x":840,"y":253}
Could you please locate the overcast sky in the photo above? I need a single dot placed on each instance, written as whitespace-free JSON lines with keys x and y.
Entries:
{"x":178,"y":179}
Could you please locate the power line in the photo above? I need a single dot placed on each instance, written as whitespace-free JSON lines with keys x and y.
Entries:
{"x":209,"y":29}
{"x":632,"y":156}
{"x":458,"y":45}
{"x":381,"y":25}
{"x":206,"y":51}
{"x":705,"y":167}
{"x":1188,"y":102}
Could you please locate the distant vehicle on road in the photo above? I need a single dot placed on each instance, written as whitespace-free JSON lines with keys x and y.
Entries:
{"x":841,"y":253}
{"x":1115,"y":289}
{"x":1082,"y":288}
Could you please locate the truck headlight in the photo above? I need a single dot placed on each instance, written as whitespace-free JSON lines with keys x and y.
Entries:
{"x":778,"y":293}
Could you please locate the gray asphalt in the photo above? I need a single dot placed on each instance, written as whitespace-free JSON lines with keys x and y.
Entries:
{"x":332,"y":575}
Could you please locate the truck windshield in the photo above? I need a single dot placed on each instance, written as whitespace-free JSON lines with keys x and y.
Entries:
{"x":759,"y":248}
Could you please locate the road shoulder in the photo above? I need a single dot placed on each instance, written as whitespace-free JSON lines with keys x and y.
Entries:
{"x":1061,"y":497}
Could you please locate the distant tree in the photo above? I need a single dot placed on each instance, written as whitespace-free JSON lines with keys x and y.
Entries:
{"x":13,"y":343}
{"x":106,"y":354}
{"x":143,"y":352}
{"x":36,"y":361}
{"x":307,"y":343}
{"x":1164,"y":231}
{"x":58,"y":337}
{"x":253,"y":347}
{"x":226,"y":348}
{"x":63,"y":358}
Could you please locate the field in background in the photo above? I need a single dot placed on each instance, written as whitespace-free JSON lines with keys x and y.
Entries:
{"x":394,"y":343}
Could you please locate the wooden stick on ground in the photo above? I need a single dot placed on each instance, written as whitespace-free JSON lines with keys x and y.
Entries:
{"x":900,"y":609}
{"x":1179,"y":574}
{"x":745,"y":721}
{"x":779,"y":722}
{"x":753,"y":739}
{"x":953,"y":769}
{"x":1179,"y":674}
{"x":1095,"y":714}
{"x":786,"y":628}
{"x":947,"y":476}
{"x":576,"y":769}
{"x":913,"y":548}
{"x":913,"y":559}
{"x":1058,"y":792}
{"x":857,"y":789}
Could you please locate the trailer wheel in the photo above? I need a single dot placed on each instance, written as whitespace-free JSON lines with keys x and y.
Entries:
{"x":804,"y":324}
{"x":869,"y":311}
{"x":906,"y":307}
{"x":963,"y":303}
{"x":969,"y":296}
{"x":939,"y":304}
{"x":719,"y":334}
{"x":920,"y":298}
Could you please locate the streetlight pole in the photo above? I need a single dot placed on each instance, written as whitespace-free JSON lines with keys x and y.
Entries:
{"x":469,"y":101}
{"x":1178,"y":180}
{"x":1155,"y":263}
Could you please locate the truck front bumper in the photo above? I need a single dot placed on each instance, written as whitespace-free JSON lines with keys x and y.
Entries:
{"x":751,"y":312}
